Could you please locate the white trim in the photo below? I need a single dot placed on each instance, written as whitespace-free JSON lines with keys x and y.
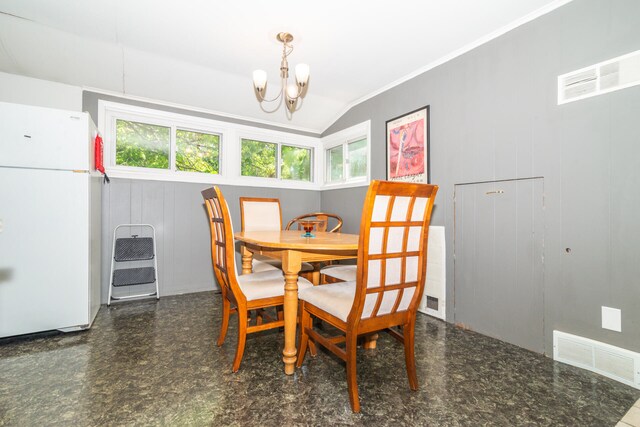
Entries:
{"x":446,"y":58}
{"x":198,"y":110}
{"x":216,"y":180}
{"x":230,"y":135}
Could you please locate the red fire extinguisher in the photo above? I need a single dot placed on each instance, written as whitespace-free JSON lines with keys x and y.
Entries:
{"x":99,"y":157}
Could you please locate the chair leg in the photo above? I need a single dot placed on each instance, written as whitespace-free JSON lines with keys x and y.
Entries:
{"x":304,"y":337}
{"x":409,"y":354}
{"x":312,"y":344}
{"x":226,"y":312}
{"x":352,"y":384}
{"x":242,"y":339}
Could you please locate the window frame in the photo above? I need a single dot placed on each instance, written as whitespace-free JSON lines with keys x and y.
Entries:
{"x":284,"y":139}
{"x":344,"y":138}
{"x":230,"y":135}
{"x":114,"y":112}
{"x":311,"y":162}
{"x":174,"y":136}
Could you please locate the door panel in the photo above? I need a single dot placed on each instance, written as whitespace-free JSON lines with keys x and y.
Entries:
{"x":498,"y":282}
{"x":37,"y":137}
{"x":44,"y":264}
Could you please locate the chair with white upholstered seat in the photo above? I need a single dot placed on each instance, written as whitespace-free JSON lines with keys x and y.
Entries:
{"x":255,"y":291}
{"x":344,"y":273}
{"x":263,"y":214}
{"x":347,"y":273}
{"x":390,"y":277}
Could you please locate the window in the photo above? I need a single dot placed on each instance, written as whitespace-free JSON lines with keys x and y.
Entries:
{"x":260,"y":159}
{"x":347,"y":162}
{"x":154,"y":144}
{"x":335,"y":164}
{"x":197,"y":152}
{"x":142,"y":145}
{"x":296,"y":163}
{"x":357,"y":158}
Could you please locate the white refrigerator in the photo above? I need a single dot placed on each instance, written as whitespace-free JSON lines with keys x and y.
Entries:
{"x":50,"y":205}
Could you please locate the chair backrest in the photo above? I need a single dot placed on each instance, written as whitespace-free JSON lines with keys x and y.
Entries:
{"x":392,"y":254}
{"x":320,"y":216}
{"x":222,"y":244}
{"x":260,"y":214}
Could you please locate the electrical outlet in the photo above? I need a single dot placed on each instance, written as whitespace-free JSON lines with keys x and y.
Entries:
{"x":612,"y":319}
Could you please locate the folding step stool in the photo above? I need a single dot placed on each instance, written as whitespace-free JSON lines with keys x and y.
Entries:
{"x":137,"y":253}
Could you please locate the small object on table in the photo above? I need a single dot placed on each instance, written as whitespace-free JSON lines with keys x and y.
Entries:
{"x":308,"y":225}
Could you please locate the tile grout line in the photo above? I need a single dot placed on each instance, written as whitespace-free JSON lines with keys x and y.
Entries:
{"x":626,"y":420}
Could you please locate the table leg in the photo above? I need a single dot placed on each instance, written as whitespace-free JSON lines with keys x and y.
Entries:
{"x":315,"y":277}
{"x":291,"y":266}
{"x":370,"y":341}
{"x":247,"y":260}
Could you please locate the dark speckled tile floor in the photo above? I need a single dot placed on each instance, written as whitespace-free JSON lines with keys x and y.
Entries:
{"x":148,"y":363}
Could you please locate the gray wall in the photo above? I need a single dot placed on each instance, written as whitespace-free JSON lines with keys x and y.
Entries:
{"x":177,"y":212}
{"x":494,"y":116}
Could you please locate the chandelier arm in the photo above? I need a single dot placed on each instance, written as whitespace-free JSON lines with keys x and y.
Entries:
{"x":274,"y":109}
{"x":272,"y":99}
{"x":292,"y":104}
{"x":299,"y":106}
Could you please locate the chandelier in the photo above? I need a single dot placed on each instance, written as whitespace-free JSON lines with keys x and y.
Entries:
{"x":289,"y":92}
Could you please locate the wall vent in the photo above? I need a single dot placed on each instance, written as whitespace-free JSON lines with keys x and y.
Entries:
{"x":605,"y":77}
{"x":433,"y":301}
{"x":604,"y":359}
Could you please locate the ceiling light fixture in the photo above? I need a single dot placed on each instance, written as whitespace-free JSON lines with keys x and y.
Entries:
{"x":289,"y":92}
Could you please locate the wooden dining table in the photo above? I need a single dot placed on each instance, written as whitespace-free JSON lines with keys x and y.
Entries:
{"x":293,"y":249}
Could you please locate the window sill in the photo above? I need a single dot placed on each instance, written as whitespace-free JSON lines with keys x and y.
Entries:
{"x":341,"y":185}
{"x":197,"y":178}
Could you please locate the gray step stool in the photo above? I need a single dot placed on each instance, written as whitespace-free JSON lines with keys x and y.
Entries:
{"x":134,"y":260}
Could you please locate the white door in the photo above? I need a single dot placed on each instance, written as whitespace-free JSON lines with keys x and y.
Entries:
{"x":44,"y":265}
{"x":38,"y":137}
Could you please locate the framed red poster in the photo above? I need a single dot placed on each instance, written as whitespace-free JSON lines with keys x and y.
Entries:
{"x":408,"y":147}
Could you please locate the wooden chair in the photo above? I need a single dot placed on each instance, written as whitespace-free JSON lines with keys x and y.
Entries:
{"x":347,"y":273}
{"x":240,"y":293}
{"x":389,"y":283}
{"x":319,"y":216}
{"x":263,"y":214}
{"x":316,"y":275}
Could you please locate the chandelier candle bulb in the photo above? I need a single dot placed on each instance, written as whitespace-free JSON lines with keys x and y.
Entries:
{"x":292,"y":92}
{"x":259,"y":80}
{"x":302,"y":74}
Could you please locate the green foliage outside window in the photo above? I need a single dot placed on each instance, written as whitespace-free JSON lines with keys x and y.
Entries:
{"x":296,"y":163}
{"x":357,"y":158}
{"x":149,"y":146}
{"x":335,"y":163}
{"x":197,"y":152}
{"x":142,"y":145}
{"x":258,"y":159}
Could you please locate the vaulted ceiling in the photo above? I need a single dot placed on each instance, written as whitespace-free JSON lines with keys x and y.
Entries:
{"x":201,"y":53}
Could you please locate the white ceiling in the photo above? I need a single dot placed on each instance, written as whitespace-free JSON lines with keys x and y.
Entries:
{"x":201,"y":53}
